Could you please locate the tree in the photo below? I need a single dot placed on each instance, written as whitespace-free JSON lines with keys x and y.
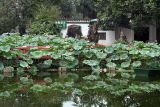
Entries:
{"x":120,"y":12}
{"x":44,"y":20}
{"x":19,"y":13}
{"x":77,"y":9}
{"x":16,"y":13}
{"x":69,"y":8}
{"x":87,"y":8}
{"x":7,"y":16}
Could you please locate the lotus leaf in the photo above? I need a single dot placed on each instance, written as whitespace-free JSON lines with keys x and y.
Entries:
{"x":23,"y":64}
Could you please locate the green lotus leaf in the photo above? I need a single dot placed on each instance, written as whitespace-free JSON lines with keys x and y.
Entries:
{"x":115,"y":58}
{"x":1,"y":66}
{"x":40,"y":88}
{"x":111,"y":75}
{"x":70,"y":58}
{"x":46,"y":53}
{"x":33,"y":70}
{"x":57,"y":86}
{"x":134,"y":52}
{"x":95,"y":51}
{"x":91,"y":78}
{"x":89,"y":55}
{"x":23,"y":64}
{"x":109,"y":50}
{"x":78,"y":92}
{"x":91,"y":62}
{"x":67,"y":53}
{"x":125,"y":64}
{"x":8,"y":55}
{"x":77,"y":46}
{"x":136,"y":64}
{"x":69,"y":85}
{"x":48,"y":62}
{"x":20,"y":71}
{"x":48,"y":79}
{"x":126,"y":75}
{"x":72,"y":76}
{"x":153,"y":54}
{"x":111,"y":65}
{"x":96,"y":70}
{"x":5,"y":94}
{"x":124,"y":56}
{"x":101,"y":55}
{"x":69,"y":64}
{"x":55,"y":55}
{"x":25,"y":80}
{"x":108,"y":59}
{"x":30,"y":61}
{"x":144,"y":52}
{"x":37,"y":54}
{"x":5,"y":48}
{"x":1,"y":77}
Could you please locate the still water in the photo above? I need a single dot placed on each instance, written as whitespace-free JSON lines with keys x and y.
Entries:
{"x":88,"y":99}
{"x":61,"y":100}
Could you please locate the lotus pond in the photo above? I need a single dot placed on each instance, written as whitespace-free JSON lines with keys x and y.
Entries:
{"x":79,"y":89}
{"x":89,"y":75}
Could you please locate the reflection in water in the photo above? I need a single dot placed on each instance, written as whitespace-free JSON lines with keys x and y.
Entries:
{"x":93,"y":100}
{"x":69,"y":104}
{"x":87,"y":99}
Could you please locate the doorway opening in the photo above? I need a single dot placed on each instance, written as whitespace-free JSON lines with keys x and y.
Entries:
{"x":158,"y":34}
{"x":141,"y":34}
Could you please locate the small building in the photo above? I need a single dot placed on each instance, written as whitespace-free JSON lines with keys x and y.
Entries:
{"x":145,"y":33}
{"x":83,"y":23}
{"x":106,"y":37}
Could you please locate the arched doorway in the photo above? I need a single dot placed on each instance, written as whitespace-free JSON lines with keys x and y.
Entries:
{"x":141,"y":34}
{"x":74,"y":31}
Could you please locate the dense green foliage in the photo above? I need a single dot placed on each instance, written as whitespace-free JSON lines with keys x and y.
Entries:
{"x":16,"y":13}
{"x":44,"y":21}
{"x":8,"y":17}
{"x":23,"y":13}
{"x":76,"y":54}
{"x":112,"y":13}
{"x":73,"y":53}
{"x":120,"y":12}
{"x":77,"y":9}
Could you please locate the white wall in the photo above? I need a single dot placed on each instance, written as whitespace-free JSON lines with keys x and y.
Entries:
{"x":110,"y":37}
{"x":153,"y":32}
{"x":84,"y":28}
{"x":129,"y":33}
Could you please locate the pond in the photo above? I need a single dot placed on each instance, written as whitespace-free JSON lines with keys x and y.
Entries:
{"x":76,"y":93}
{"x":88,"y":100}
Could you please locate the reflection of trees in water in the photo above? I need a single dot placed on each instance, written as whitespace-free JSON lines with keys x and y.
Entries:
{"x":147,"y":99}
{"x":104,"y":100}
{"x":35,"y":100}
{"x":89,"y":99}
